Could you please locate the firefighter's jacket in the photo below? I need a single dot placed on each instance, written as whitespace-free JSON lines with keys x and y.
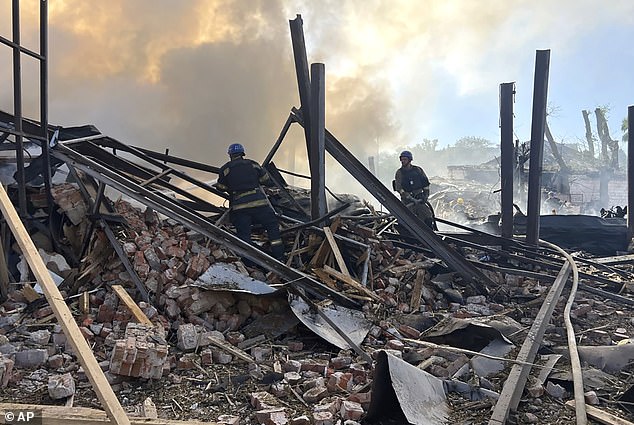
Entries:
{"x":412,"y":180}
{"x":241,"y":178}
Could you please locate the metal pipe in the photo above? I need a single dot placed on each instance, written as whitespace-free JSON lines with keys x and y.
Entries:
{"x":507,"y":90}
{"x":540,"y":94}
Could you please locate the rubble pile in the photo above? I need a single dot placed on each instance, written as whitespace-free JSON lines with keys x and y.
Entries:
{"x":217,"y":352}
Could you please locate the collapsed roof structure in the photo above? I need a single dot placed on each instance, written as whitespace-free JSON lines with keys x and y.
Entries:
{"x":175,"y":269}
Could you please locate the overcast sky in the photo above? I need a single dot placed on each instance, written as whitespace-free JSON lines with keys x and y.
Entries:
{"x":197,"y":75}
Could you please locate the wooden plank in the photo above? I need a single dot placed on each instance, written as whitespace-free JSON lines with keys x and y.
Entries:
{"x":61,"y":415}
{"x":235,"y":351}
{"x":84,"y":302}
{"x":85,"y":355}
{"x":132,"y":306}
{"x":325,"y":277}
{"x":320,"y":257}
{"x":350,"y":281}
{"x":324,"y":249}
{"x":156,"y":177}
{"x":601,"y":416}
{"x":417,"y":291}
{"x":516,"y":380}
{"x":618,"y":259}
{"x":335,"y":250}
{"x":29,"y":293}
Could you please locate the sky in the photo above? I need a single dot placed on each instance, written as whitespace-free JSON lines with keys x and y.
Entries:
{"x":194,"y":76}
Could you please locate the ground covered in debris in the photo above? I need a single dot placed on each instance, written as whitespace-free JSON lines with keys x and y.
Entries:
{"x":244,"y":348}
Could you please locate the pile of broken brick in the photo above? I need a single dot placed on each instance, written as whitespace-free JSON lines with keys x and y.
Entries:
{"x":184,"y":328}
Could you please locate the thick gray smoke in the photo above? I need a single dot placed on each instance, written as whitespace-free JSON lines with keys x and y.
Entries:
{"x":195,"y":76}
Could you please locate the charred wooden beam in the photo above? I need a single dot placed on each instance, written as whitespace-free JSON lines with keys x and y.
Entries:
{"x":540,"y":94}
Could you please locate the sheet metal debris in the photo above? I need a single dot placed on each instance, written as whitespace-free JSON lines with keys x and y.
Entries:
{"x":352,"y":322}
{"x":403,"y":392}
{"x":484,"y":366}
{"x":225,"y":277}
{"x":462,"y":333}
{"x":609,"y":358}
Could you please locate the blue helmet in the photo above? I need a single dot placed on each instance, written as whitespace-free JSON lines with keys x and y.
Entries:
{"x":235,"y":149}
{"x":406,"y":154}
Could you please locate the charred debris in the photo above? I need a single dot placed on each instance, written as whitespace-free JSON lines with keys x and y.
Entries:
{"x":123,"y":288}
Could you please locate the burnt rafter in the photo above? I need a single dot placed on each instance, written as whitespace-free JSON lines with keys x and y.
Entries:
{"x":416,"y":227}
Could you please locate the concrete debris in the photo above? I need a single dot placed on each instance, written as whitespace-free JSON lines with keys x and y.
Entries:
{"x":61,"y":386}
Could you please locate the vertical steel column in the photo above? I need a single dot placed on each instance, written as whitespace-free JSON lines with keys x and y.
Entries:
{"x":506,"y":156}
{"x":630,"y":171}
{"x":317,"y":160}
{"x":46,"y":173}
{"x":303,"y":77}
{"x":17,"y":108}
{"x":540,"y":94}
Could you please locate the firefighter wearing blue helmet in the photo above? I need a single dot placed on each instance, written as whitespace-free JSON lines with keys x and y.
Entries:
{"x":242,"y":178}
{"x":412,"y":184}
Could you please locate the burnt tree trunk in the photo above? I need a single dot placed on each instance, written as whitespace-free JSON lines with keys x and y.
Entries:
{"x":610,"y":159}
{"x":561,"y":181}
{"x":589,"y":136}
{"x":553,"y":147}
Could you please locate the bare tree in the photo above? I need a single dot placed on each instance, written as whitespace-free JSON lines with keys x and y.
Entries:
{"x":589,"y":136}
{"x":612,"y":159}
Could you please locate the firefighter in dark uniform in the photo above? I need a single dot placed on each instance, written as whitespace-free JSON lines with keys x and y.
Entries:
{"x":241,"y":178}
{"x":412,"y":184}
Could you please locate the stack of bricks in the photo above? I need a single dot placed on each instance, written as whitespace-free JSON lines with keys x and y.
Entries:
{"x":139,"y":354}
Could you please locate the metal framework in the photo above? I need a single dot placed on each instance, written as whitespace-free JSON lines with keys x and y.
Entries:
{"x":16,"y":129}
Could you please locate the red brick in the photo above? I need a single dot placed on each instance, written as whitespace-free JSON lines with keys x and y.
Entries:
{"x":275,"y":416}
{"x":351,"y":410}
